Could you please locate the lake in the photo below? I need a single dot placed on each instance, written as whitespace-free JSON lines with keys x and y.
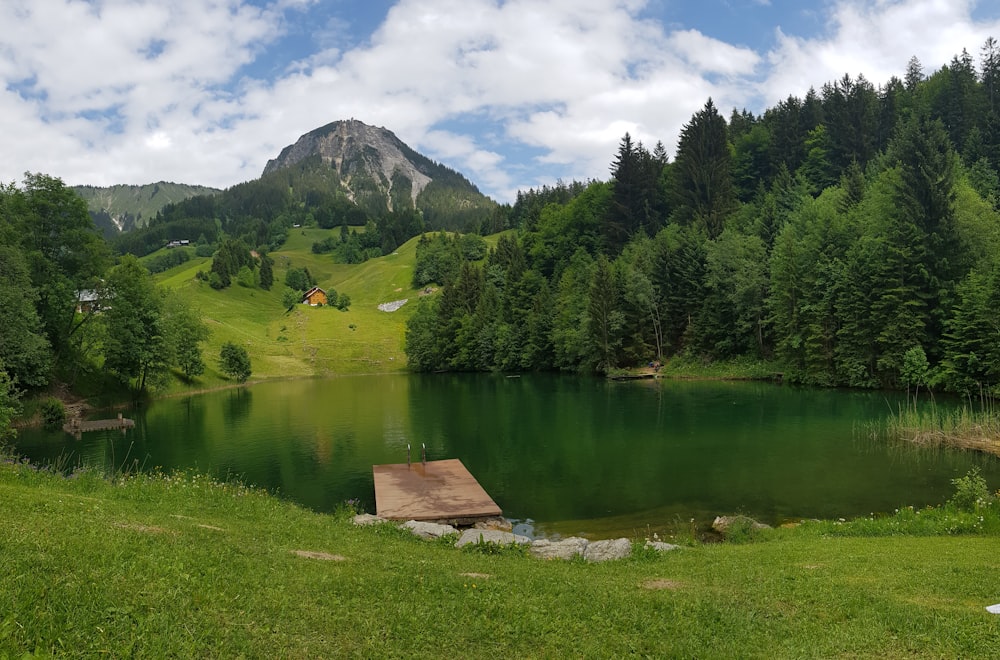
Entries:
{"x":560,"y":454}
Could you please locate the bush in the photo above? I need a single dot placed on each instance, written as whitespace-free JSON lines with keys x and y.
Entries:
{"x":247,"y":278}
{"x":971,"y":491}
{"x":53,"y":414}
{"x":235,"y":361}
{"x":290,"y":298}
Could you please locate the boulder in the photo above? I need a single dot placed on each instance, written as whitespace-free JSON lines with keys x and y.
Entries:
{"x":501,"y":524}
{"x":428,"y":530}
{"x":564,"y":549}
{"x":608,"y":550}
{"x":365,"y":519}
{"x":473,"y":536}
{"x":660,"y":546}
{"x":722,"y":524}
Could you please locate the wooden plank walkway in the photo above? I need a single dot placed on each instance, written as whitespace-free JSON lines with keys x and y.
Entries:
{"x":119,"y":423}
{"x":435,"y":490}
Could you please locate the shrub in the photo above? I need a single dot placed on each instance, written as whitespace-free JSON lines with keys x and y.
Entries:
{"x":971,"y":491}
{"x":53,"y":414}
{"x":235,"y":361}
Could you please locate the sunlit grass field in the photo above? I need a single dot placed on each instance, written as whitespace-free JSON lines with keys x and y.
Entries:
{"x":180,"y":566}
{"x":305,"y":341}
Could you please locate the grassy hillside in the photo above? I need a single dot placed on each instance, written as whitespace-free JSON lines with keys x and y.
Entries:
{"x":178,"y":566}
{"x":306,"y":341}
{"x":129,"y":206}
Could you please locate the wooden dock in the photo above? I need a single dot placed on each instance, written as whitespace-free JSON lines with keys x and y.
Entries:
{"x":76,"y":426}
{"x":431,"y":491}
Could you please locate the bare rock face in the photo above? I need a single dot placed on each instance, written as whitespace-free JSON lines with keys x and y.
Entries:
{"x":722,"y":524}
{"x":473,"y":536}
{"x":428,"y":530}
{"x":660,"y":546}
{"x":354,"y":149}
{"x":609,"y":550}
{"x":565,"y":549}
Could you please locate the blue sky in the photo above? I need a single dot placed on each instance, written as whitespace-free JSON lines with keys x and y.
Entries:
{"x":514,"y":94}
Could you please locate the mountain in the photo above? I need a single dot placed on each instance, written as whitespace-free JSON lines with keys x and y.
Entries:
{"x":343,"y":174}
{"x":124,"y":208}
{"x":379,"y":172}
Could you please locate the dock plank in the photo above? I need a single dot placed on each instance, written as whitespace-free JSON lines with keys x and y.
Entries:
{"x":77,"y":426}
{"x":435,"y":490}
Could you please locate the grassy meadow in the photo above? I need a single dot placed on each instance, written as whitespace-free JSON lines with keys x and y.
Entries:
{"x":181,"y":566}
{"x":306,"y":341}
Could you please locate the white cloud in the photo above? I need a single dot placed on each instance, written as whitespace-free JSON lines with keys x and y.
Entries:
{"x":132,"y":91}
{"x":875,"y":39}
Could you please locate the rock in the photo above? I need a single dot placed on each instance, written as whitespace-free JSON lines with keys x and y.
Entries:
{"x":660,"y":546}
{"x":564,"y":549}
{"x":721,"y":524}
{"x":365,"y":519}
{"x":428,"y":530}
{"x":608,"y":550}
{"x":501,"y":524}
{"x":473,"y":536}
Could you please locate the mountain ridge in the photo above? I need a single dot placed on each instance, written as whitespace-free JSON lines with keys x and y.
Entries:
{"x":124,"y":207}
{"x":365,"y":156}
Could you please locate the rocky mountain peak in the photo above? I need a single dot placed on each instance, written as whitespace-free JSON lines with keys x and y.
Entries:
{"x":356,"y":150}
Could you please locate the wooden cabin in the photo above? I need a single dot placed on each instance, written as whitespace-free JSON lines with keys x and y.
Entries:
{"x":314,"y":297}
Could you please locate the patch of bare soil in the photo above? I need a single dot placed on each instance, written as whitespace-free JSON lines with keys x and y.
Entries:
{"x":309,"y":554}
{"x":478,"y":576}
{"x":660,"y":583}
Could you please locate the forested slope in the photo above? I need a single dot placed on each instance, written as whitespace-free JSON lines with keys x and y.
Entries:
{"x":852,"y":235}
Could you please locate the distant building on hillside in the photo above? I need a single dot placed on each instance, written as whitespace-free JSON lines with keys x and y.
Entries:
{"x":314,"y":297}
{"x":89,"y":301}
{"x":180,"y":243}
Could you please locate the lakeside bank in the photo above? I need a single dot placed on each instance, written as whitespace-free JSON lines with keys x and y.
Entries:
{"x":153,"y":564}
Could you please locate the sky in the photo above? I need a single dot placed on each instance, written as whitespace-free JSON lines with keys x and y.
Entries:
{"x":513,"y":94}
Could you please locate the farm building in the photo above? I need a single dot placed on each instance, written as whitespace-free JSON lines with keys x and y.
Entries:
{"x":314,"y":296}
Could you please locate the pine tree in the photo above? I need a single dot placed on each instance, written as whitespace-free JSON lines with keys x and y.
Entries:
{"x":924,"y":196}
{"x":605,"y":319}
{"x":990,"y":68}
{"x":703,"y":190}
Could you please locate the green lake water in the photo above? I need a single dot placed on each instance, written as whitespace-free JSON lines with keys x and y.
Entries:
{"x":560,"y":454}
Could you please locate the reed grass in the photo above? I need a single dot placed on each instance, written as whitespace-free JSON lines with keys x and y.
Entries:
{"x":975,"y":425}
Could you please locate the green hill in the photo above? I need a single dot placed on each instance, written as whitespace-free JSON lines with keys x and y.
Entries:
{"x":306,"y":341}
{"x":126,"y":207}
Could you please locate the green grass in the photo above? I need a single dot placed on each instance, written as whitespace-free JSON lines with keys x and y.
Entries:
{"x":156,"y":566}
{"x":304,"y":342}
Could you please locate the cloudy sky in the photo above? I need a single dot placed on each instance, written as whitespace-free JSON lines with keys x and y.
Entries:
{"x":512,"y":93}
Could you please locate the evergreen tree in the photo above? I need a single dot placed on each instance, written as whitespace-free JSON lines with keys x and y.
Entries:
{"x":703,"y":193}
{"x":266,"y":271}
{"x":990,"y":73}
{"x":679,"y":274}
{"x":605,"y":319}
{"x":924,"y":195}
{"x":971,"y":362}
{"x":569,"y":327}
